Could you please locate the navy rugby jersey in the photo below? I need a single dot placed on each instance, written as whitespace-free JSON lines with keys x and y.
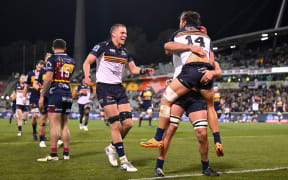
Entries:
{"x":62,"y":66}
{"x":31,"y":76}
{"x":111,"y":62}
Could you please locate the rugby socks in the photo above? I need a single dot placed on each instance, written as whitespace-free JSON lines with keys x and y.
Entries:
{"x":19,"y":128}
{"x":159,"y":163}
{"x":34,"y":128}
{"x":86,"y":123}
{"x":80,"y":120}
{"x":66,"y":152}
{"x":53,"y":152}
{"x":217,"y":137}
{"x":42,"y":137}
{"x":120,"y":151}
{"x":159,"y":134}
{"x":10,"y":120}
{"x":150,"y":120}
{"x":205,"y":164}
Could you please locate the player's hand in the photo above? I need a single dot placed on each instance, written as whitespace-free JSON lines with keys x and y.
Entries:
{"x":88,"y":79}
{"x":24,"y":101}
{"x":41,"y":102}
{"x":198,"y":50}
{"x":207,"y":77}
{"x":149,"y":71}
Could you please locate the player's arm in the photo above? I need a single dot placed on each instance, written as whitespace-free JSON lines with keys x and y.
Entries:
{"x":25,"y":91}
{"x":47,"y":83}
{"x":86,"y":67}
{"x":140,"y":99}
{"x":210,"y":74}
{"x":175,"y":47}
{"x":13,"y":96}
{"x":136,"y":70}
{"x":36,"y":85}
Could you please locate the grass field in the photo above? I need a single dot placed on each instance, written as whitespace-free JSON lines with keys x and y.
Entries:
{"x":247,"y":147}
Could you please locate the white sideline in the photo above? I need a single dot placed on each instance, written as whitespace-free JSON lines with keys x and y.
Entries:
{"x":226,"y":172}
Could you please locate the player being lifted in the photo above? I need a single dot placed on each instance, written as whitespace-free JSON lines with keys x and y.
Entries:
{"x":194,"y":106}
{"x":145,"y":100}
{"x":20,"y":107}
{"x":34,"y":95}
{"x":85,"y":94}
{"x":111,"y":58}
{"x":38,"y":85}
{"x":190,"y":76}
{"x":59,"y":69}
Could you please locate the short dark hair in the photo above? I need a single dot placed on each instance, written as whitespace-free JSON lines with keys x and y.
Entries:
{"x":191,"y":18}
{"x":113,"y":27}
{"x":59,"y":44}
{"x":41,"y":62}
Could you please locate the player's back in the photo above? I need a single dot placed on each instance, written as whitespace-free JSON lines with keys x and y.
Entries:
{"x":62,"y":67}
{"x":194,"y":36}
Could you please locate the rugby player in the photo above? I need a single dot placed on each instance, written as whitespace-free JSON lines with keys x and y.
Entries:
{"x":85,"y":94}
{"x":13,"y":107}
{"x":111,"y":58}
{"x":38,"y":85}
{"x":59,"y":69}
{"x":190,"y":77}
{"x":279,"y":107}
{"x":34,"y":95}
{"x":145,"y":100}
{"x":20,"y":107}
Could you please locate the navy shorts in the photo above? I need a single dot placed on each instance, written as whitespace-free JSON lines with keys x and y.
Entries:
{"x":24,"y":108}
{"x":217,"y":106}
{"x":145,"y":106}
{"x":191,"y":75}
{"x":60,"y":103}
{"x":191,"y":102}
{"x":44,"y":110}
{"x":111,"y":94}
{"x":81,"y":108}
{"x":34,"y":101}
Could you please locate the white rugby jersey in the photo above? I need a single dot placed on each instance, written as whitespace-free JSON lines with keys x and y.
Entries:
{"x":20,"y":94}
{"x":189,"y":35}
{"x":111,"y":62}
{"x":83,"y":88}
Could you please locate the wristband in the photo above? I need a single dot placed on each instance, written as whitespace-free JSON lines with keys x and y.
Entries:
{"x":142,"y":71}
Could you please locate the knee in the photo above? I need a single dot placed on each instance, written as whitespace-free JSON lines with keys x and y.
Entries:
{"x":127,"y":124}
{"x":201,"y":135}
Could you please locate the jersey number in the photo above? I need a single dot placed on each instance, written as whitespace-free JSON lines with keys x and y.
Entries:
{"x":65,"y":71}
{"x":198,"y":40}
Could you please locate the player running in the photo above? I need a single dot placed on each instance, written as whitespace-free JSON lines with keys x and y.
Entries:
{"x":145,"y":100}
{"x":189,"y":79}
{"x":20,"y":107}
{"x":34,"y":95}
{"x":111,"y":59}
{"x":59,"y":69}
{"x":85,"y":94}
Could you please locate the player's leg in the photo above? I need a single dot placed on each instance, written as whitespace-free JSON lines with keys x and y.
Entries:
{"x":176,"y":113}
{"x":213,"y":119}
{"x":86,"y":116}
{"x":34,"y":111}
{"x":81,"y":112}
{"x":25,"y":112}
{"x":19,"y":121}
{"x":174,"y":90}
{"x":142,"y":114}
{"x":125,"y":118}
{"x":149,"y":111}
{"x":11,"y":115}
{"x":199,"y":121}
{"x":65,"y":135}
{"x":43,"y":122}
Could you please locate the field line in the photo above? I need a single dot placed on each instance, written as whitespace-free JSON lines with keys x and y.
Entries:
{"x":131,"y":140}
{"x":226,"y":172}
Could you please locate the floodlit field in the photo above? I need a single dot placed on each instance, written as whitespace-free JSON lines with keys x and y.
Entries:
{"x":247,"y":147}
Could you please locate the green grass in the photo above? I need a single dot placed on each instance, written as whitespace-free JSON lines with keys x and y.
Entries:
{"x":247,"y":146}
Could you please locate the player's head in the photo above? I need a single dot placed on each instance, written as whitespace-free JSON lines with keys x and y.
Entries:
{"x":40,"y":65}
{"x":215,"y":89}
{"x":118,"y":34}
{"x":59,"y":45}
{"x":148,"y":88}
{"x":279,"y":98}
{"x":22,"y":78}
{"x":189,"y":18}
